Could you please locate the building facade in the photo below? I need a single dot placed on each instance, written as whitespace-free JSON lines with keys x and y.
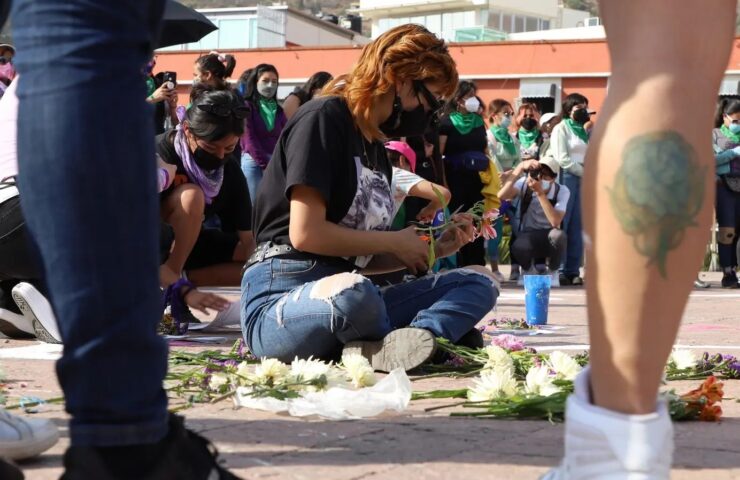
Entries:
{"x":459,"y":20}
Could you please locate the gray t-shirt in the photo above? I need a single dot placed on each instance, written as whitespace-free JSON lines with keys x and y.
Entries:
{"x":535,"y":218}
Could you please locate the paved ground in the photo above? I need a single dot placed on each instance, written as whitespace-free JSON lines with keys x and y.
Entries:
{"x":417,"y":444}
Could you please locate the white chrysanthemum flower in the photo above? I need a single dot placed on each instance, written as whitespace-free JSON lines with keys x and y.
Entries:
{"x":498,"y":359}
{"x":359,"y":371}
{"x":539,"y":381}
{"x":492,"y":385}
{"x":271,"y":369}
{"x":683,"y":359}
{"x":564,"y":365}
{"x":311,"y":370}
{"x":217,"y":381}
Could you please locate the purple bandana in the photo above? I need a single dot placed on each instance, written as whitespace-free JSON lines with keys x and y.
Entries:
{"x":208,"y":181}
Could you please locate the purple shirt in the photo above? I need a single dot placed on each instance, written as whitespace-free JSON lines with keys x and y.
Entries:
{"x":257,"y":141}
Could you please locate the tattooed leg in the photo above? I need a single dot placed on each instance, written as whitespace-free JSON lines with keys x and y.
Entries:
{"x":648,"y":187}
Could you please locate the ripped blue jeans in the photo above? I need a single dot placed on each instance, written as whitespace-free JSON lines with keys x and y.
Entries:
{"x":290,"y":308}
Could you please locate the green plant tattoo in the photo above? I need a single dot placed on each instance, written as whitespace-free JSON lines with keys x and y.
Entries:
{"x":657,"y":193}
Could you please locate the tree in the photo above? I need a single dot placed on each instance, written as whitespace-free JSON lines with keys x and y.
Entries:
{"x":591,"y":6}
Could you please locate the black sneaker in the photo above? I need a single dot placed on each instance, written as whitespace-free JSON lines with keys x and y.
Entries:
{"x":8,"y":471}
{"x":472,"y":339}
{"x":406,"y":348}
{"x":729,"y":280}
{"x":565,"y":280}
{"x":182,"y":455}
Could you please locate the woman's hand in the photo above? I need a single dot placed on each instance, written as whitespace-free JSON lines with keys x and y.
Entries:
{"x":455,"y":237}
{"x":201,"y":301}
{"x":427,"y":213}
{"x":411,"y":250}
{"x":161,"y":94}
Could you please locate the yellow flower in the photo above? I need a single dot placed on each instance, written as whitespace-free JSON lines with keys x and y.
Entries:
{"x":359,"y":371}
{"x":539,"y":381}
{"x":564,"y":365}
{"x":498,"y":359}
{"x":492,"y":385}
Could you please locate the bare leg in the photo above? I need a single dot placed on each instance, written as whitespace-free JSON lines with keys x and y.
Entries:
{"x":183,"y":209}
{"x":649,"y":187}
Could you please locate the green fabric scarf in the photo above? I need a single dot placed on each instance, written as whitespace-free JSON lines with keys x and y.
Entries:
{"x":465,"y":122}
{"x":528,"y":137}
{"x":578,"y":129}
{"x":502,"y":136}
{"x":268,"y":111}
{"x":734,"y":137}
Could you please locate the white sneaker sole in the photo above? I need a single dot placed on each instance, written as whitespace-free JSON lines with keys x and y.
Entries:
{"x":31,"y":447}
{"x":406,"y":348}
{"x":35,"y":306}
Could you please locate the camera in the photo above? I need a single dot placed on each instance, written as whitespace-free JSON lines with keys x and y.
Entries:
{"x":535,"y":173}
{"x":169,"y":79}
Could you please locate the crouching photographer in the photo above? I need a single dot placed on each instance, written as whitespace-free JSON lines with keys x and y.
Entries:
{"x":540,"y":244}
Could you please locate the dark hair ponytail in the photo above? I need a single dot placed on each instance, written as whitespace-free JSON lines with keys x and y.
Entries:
{"x":210,"y":126}
{"x":726,"y":106}
{"x":220,"y":66}
{"x":316,"y":82}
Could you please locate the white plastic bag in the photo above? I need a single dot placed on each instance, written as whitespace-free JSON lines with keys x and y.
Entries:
{"x":391,"y":393}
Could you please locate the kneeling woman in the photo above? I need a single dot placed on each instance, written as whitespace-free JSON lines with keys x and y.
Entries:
{"x":324,"y":212}
{"x":209,"y":182}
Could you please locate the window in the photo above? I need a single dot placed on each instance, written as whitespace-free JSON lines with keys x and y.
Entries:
{"x":532,"y":24}
{"x":507,"y":23}
{"x":235,"y":33}
{"x":518,"y":24}
{"x":494,"y":20}
{"x":434,"y":24}
{"x":420,"y":20}
{"x":545,"y":24}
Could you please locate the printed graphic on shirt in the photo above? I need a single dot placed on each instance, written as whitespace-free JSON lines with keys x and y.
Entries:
{"x":372,"y":207}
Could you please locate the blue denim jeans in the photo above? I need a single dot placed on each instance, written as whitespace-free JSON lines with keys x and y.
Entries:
{"x":89,"y":195}
{"x":573,"y":226}
{"x":728,"y":216}
{"x":253,"y":172}
{"x":282,"y":318}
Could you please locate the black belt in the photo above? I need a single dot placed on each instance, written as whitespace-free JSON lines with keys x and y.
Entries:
{"x":269,"y":250}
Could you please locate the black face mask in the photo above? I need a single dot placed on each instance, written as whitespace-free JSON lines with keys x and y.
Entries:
{"x":404,"y":123}
{"x":581,"y":116}
{"x":529,"y":123}
{"x":207,"y":160}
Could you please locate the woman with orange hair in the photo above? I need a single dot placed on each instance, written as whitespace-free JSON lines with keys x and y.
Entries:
{"x":324,"y":211}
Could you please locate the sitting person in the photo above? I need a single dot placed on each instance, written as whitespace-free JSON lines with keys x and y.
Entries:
{"x":543,"y":204}
{"x":324,"y":211}
{"x":406,"y":183}
{"x":208,"y":181}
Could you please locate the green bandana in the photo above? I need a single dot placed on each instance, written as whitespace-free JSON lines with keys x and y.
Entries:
{"x":268,"y":111}
{"x":465,"y":122}
{"x":578,"y":129}
{"x":502,"y":136}
{"x":528,"y":137}
{"x":734,"y":137}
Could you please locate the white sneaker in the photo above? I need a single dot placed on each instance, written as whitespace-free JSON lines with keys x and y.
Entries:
{"x":554,"y":279}
{"x":37,"y":308}
{"x":13,"y":325}
{"x":604,"y":445}
{"x":22,"y":437}
{"x":499,"y":277}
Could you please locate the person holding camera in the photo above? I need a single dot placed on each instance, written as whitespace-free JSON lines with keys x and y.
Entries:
{"x":543,"y":204}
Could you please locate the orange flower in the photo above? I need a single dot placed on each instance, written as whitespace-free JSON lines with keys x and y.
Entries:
{"x":710,"y":413}
{"x":711,"y":389}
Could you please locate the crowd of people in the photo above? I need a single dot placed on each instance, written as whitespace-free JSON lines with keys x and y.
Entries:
{"x":309,"y":205}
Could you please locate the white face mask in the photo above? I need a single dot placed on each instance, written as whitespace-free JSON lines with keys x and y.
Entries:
{"x":546,"y":184}
{"x":472,"y":104}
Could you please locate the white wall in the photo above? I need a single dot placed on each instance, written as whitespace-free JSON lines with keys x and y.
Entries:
{"x":573,"y":18}
{"x":539,"y":8}
{"x":306,"y":33}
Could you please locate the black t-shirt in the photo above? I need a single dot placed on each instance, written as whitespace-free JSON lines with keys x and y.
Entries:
{"x":232,"y":204}
{"x":474,"y":141}
{"x":320,"y":147}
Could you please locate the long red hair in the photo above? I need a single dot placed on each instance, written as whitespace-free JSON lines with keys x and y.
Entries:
{"x":407,"y":52}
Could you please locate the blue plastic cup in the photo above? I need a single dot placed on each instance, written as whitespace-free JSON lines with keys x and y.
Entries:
{"x":537,"y":298}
